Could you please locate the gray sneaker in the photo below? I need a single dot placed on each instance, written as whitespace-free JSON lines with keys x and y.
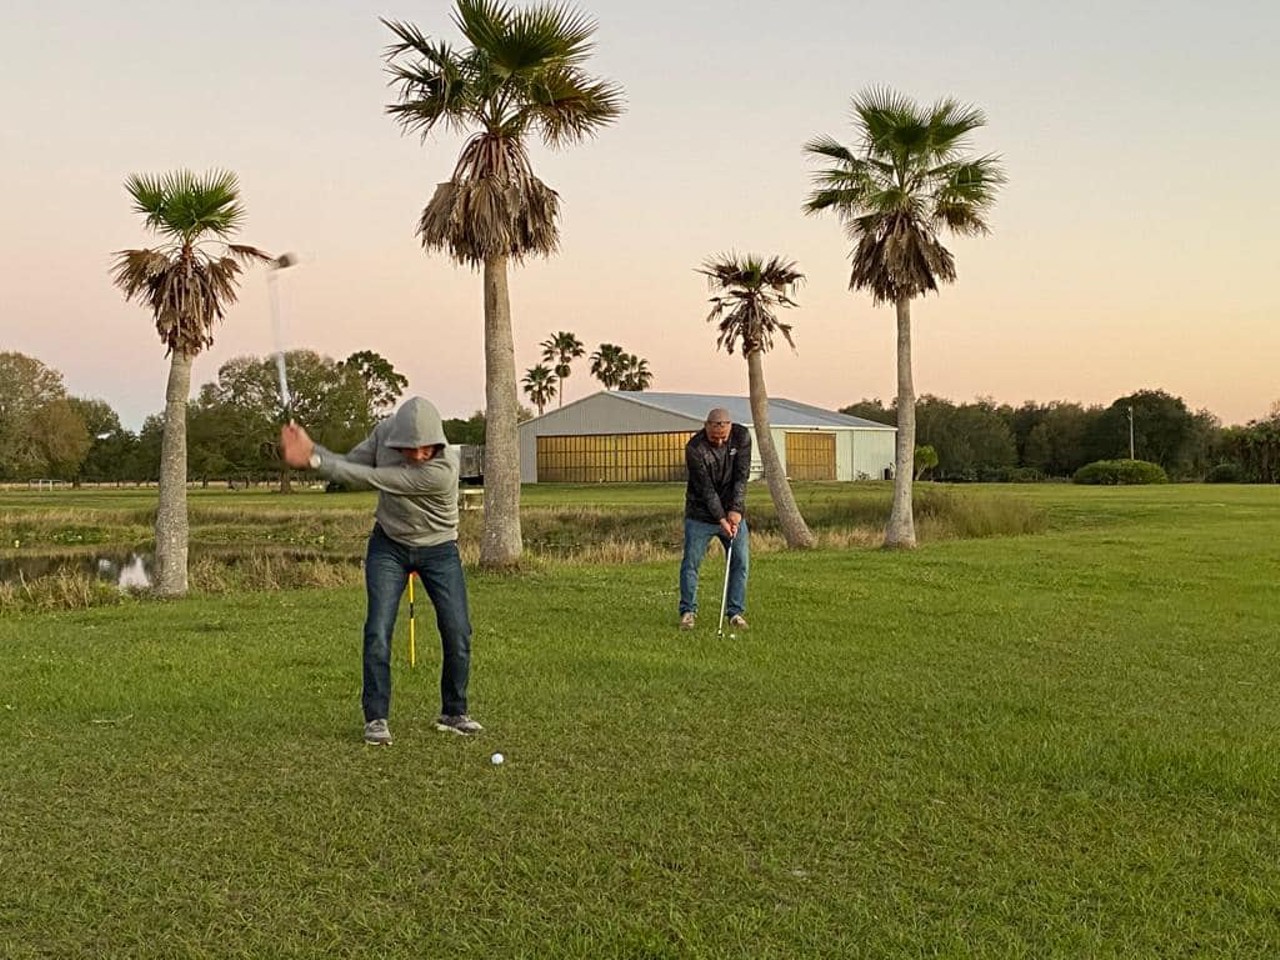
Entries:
{"x":376,"y":732}
{"x":739,"y":621}
{"x":459,"y":723}
{"x":688,"y":621}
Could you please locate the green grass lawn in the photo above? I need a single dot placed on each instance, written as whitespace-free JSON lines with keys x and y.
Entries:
{"x":1059,"y":745}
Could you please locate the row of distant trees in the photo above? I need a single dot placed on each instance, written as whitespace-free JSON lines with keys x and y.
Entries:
{"x":233,"y":423}
{"x":984,"y":440}
{"x":610,"y":364}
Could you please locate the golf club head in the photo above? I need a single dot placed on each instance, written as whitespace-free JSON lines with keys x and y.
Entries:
{"x":284,"y":261}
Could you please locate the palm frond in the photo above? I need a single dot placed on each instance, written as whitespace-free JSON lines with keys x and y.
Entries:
{"x":521,"y":74}
{"x":435,"y":86}
{"x":186,"y":287}
{"x":950,"y":123}
{"x":751,"y":290}
{"x":187,"y":294}
{"x":493,"y":205}
{"x":247,"y":255}
{"x":528,"y":39}
{"x":907,"y":179}
{"x":185,"y":206}
{"x":567,"y":106}
{"x":562,"y":348}
{"x":482,"y":22}
{"x":831,"y":149}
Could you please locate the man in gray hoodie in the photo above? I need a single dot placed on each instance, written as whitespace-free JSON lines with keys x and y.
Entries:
{"x":407,"y":460}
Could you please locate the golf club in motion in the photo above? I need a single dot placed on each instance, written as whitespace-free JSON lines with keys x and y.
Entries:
{"x":282,"y":262}
{"x":724,"y":597}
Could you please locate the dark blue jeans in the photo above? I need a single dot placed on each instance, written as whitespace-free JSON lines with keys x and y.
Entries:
{"x":697,"y":537}
{"x":387,"y":567}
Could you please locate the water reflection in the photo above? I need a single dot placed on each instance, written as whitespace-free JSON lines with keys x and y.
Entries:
{"x":127,"y":569}
{"x":132,"y":569}
{"x":133,"y":574}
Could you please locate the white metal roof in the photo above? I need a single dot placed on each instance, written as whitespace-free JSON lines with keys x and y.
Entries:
{"x":782,"y":412}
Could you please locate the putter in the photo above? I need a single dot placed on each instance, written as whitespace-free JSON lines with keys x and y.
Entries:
{"x":282,"y":262}
{"x":724,"y":598}
{"x":413,"y":628}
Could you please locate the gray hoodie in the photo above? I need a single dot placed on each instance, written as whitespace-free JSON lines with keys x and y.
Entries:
{"x":417,"y":502}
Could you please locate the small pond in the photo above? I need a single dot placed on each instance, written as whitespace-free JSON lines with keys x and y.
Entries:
{"x":129,"y":569}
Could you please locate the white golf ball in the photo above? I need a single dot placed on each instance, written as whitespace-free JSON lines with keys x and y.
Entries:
{"x":497,"y":759}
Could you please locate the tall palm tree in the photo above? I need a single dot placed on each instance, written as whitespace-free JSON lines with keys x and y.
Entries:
{"x":541,"y":385}
{"x":561,"y":350}
{"x":751,"y":291}
{"x":909,"y":179}
{"x":187,"y":284}
{"x":635,"y":375}
{"x":607,"y":363}
{"x":521,"y":76}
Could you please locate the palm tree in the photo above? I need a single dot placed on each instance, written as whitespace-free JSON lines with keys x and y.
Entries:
{"x":561,"y":350}
{"x":635,"y":375}
{"x":521,"y":76}
{"x":187,"y":287}
{"x":751,"y":291}
{"x":606,"y":364}
{"x":540,"y":384}
{"x":909,"y":179}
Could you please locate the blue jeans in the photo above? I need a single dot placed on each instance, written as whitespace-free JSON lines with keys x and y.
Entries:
{"x":697,"y":535}
{"x":387,"y":567}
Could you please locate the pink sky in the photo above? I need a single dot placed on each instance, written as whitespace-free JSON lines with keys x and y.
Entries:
{"x":1133,"y":247}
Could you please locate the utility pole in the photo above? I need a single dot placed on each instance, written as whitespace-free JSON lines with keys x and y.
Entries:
{"x":1131,"y":456}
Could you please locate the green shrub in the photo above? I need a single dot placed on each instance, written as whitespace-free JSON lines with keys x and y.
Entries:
{"x":1226,"y":473}
{"x":1121,"y":472}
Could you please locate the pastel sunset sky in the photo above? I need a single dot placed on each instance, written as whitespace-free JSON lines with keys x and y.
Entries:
{"x":1133,"y":247}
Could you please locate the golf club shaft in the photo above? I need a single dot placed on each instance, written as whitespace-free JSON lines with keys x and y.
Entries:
{"x":724,"y":597}
{"x":278,"y":333}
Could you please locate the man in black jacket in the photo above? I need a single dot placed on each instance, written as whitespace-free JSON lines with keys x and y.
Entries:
{"x":719,"y":461}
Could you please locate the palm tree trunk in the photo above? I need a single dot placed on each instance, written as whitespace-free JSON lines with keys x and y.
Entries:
{"x":901,"y":531}
{"x":794,"y":530}
{"x":172,"y":532}
{"x":500,"y":543}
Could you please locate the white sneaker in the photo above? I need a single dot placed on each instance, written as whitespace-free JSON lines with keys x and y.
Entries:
{"x":460,"y":723}
{"x":376,"y":732}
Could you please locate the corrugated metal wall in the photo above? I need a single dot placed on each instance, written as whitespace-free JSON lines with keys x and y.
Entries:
{"x":872,"y":453}
{"x":602,"y":414}
{"x":613,"y":458}
{"x":811,"y":455}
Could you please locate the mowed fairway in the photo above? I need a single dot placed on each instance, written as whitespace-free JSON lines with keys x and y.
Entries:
{"x":1060,"y":745}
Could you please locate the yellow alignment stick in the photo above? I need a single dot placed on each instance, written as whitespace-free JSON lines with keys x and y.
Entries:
{"x":413,"y":623}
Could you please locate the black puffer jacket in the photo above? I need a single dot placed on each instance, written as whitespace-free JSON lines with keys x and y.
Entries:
{"x":717,"y":486}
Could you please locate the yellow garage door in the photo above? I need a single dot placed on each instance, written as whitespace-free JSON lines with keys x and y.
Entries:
{"x":612,"y":458}
{"x":811,"y":456}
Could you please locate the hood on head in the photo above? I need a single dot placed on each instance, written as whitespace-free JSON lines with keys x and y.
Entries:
{"x":416,"y":424}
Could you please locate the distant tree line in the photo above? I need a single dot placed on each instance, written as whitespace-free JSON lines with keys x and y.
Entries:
{"x":233,"y":423}
{"x":985,"y":441}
